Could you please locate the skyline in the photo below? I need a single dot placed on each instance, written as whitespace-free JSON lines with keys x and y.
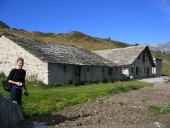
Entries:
{"x":132,"y":21}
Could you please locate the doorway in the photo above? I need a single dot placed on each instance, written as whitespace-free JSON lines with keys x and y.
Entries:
{"x":77,"y":75}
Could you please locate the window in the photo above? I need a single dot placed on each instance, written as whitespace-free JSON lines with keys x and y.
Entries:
{"x":110,"y":71}
{"x":132,"y":70}
{"x":87,"y":69}
{"x":144,"y":70}
{"x":103,"y":70}
{"x":137,"y":70}
{"x":64,"y":68}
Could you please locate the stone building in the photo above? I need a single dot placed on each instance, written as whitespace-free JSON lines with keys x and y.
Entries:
{"x":55,"y":64}
{"x":157,"y":70}
{"x":136,"y":61}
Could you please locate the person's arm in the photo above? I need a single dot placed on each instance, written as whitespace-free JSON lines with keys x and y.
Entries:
{"x":13,"y":82}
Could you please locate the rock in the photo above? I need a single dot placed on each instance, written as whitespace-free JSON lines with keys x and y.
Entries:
{"x":10,"y":113}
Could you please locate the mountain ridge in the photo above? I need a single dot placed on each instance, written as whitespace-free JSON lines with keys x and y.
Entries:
{"x":73,"y":38}
{"x":161,"y":47}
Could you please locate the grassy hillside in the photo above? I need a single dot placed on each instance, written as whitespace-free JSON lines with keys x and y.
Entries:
{"x":165,"y":62}
{"x":73,"y":38}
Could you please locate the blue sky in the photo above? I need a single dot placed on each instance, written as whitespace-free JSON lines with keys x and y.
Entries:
{"x":130,"y":21}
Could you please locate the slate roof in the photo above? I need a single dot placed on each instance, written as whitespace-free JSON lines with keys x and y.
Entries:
{"x":125,"y":56}
{"x":55,"y":53}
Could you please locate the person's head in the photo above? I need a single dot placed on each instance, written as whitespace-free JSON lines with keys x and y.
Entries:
{"x":20,"y":63}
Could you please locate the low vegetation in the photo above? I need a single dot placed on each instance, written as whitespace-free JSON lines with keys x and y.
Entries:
{"x":45,"y":100}
{"x":164,"y":110}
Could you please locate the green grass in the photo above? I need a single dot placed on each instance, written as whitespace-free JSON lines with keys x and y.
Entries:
{"x":159,"y":110}
{"x":45,"y":100}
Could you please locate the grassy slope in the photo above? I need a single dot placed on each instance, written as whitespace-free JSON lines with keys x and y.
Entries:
{"x":165,"y":62}
{"x":73,"y":38}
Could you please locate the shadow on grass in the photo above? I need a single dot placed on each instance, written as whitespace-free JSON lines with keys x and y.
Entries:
{"x":52,"y":120}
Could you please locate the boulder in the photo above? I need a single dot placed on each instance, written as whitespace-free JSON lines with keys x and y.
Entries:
{"x":10,"y":113}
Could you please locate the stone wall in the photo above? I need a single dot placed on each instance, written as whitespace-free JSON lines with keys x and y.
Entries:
{"x":157,"y":71}
{"x":9,"y":54}
{"x":10,"y":113}
{"x":65,"y":74}
{"x":142,"y":67}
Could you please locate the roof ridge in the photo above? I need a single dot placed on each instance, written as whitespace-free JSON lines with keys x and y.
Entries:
{"x":121,"y":48}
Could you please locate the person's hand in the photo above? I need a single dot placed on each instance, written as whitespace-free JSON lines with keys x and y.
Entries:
{"x":26,"y":93}
{"x":18,"y":83}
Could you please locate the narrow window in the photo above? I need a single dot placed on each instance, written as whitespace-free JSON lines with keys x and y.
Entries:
{"x":131,"y":70}
{"x":87,"y":69}
{"x":110,"y":71}
{"x":137,"y":70}
{"x":64,"y":68}
{"x":103,"y":70}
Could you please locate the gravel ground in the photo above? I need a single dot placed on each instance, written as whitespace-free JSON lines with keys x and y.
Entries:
{"x":153,"y":80}
{"x":126,"y":110}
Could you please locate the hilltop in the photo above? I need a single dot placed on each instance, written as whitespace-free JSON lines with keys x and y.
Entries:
{"x":3,"y":25}
{"x":73,"y":38}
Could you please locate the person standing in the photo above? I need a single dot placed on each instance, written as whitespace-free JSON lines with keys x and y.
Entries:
{"x":17,"y":80}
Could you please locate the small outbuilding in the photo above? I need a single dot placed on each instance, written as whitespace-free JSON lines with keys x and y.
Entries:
{"x":157,"y":70}
{"x":55,"y":64}
{"x":136,"y":61}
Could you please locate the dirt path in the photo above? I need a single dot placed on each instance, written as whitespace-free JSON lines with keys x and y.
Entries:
{"x":127,"y":110}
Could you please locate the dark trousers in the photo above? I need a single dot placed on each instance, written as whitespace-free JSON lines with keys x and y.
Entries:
{"x":16,"y":94}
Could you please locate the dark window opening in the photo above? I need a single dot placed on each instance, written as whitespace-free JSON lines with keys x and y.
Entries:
{"x":64,"y":68}
{"x":132,"y":70}
{"x":103,"y":70}
{"x":137,"y":70}
{"x":110,"y":71}
{"x":88,"y":69}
